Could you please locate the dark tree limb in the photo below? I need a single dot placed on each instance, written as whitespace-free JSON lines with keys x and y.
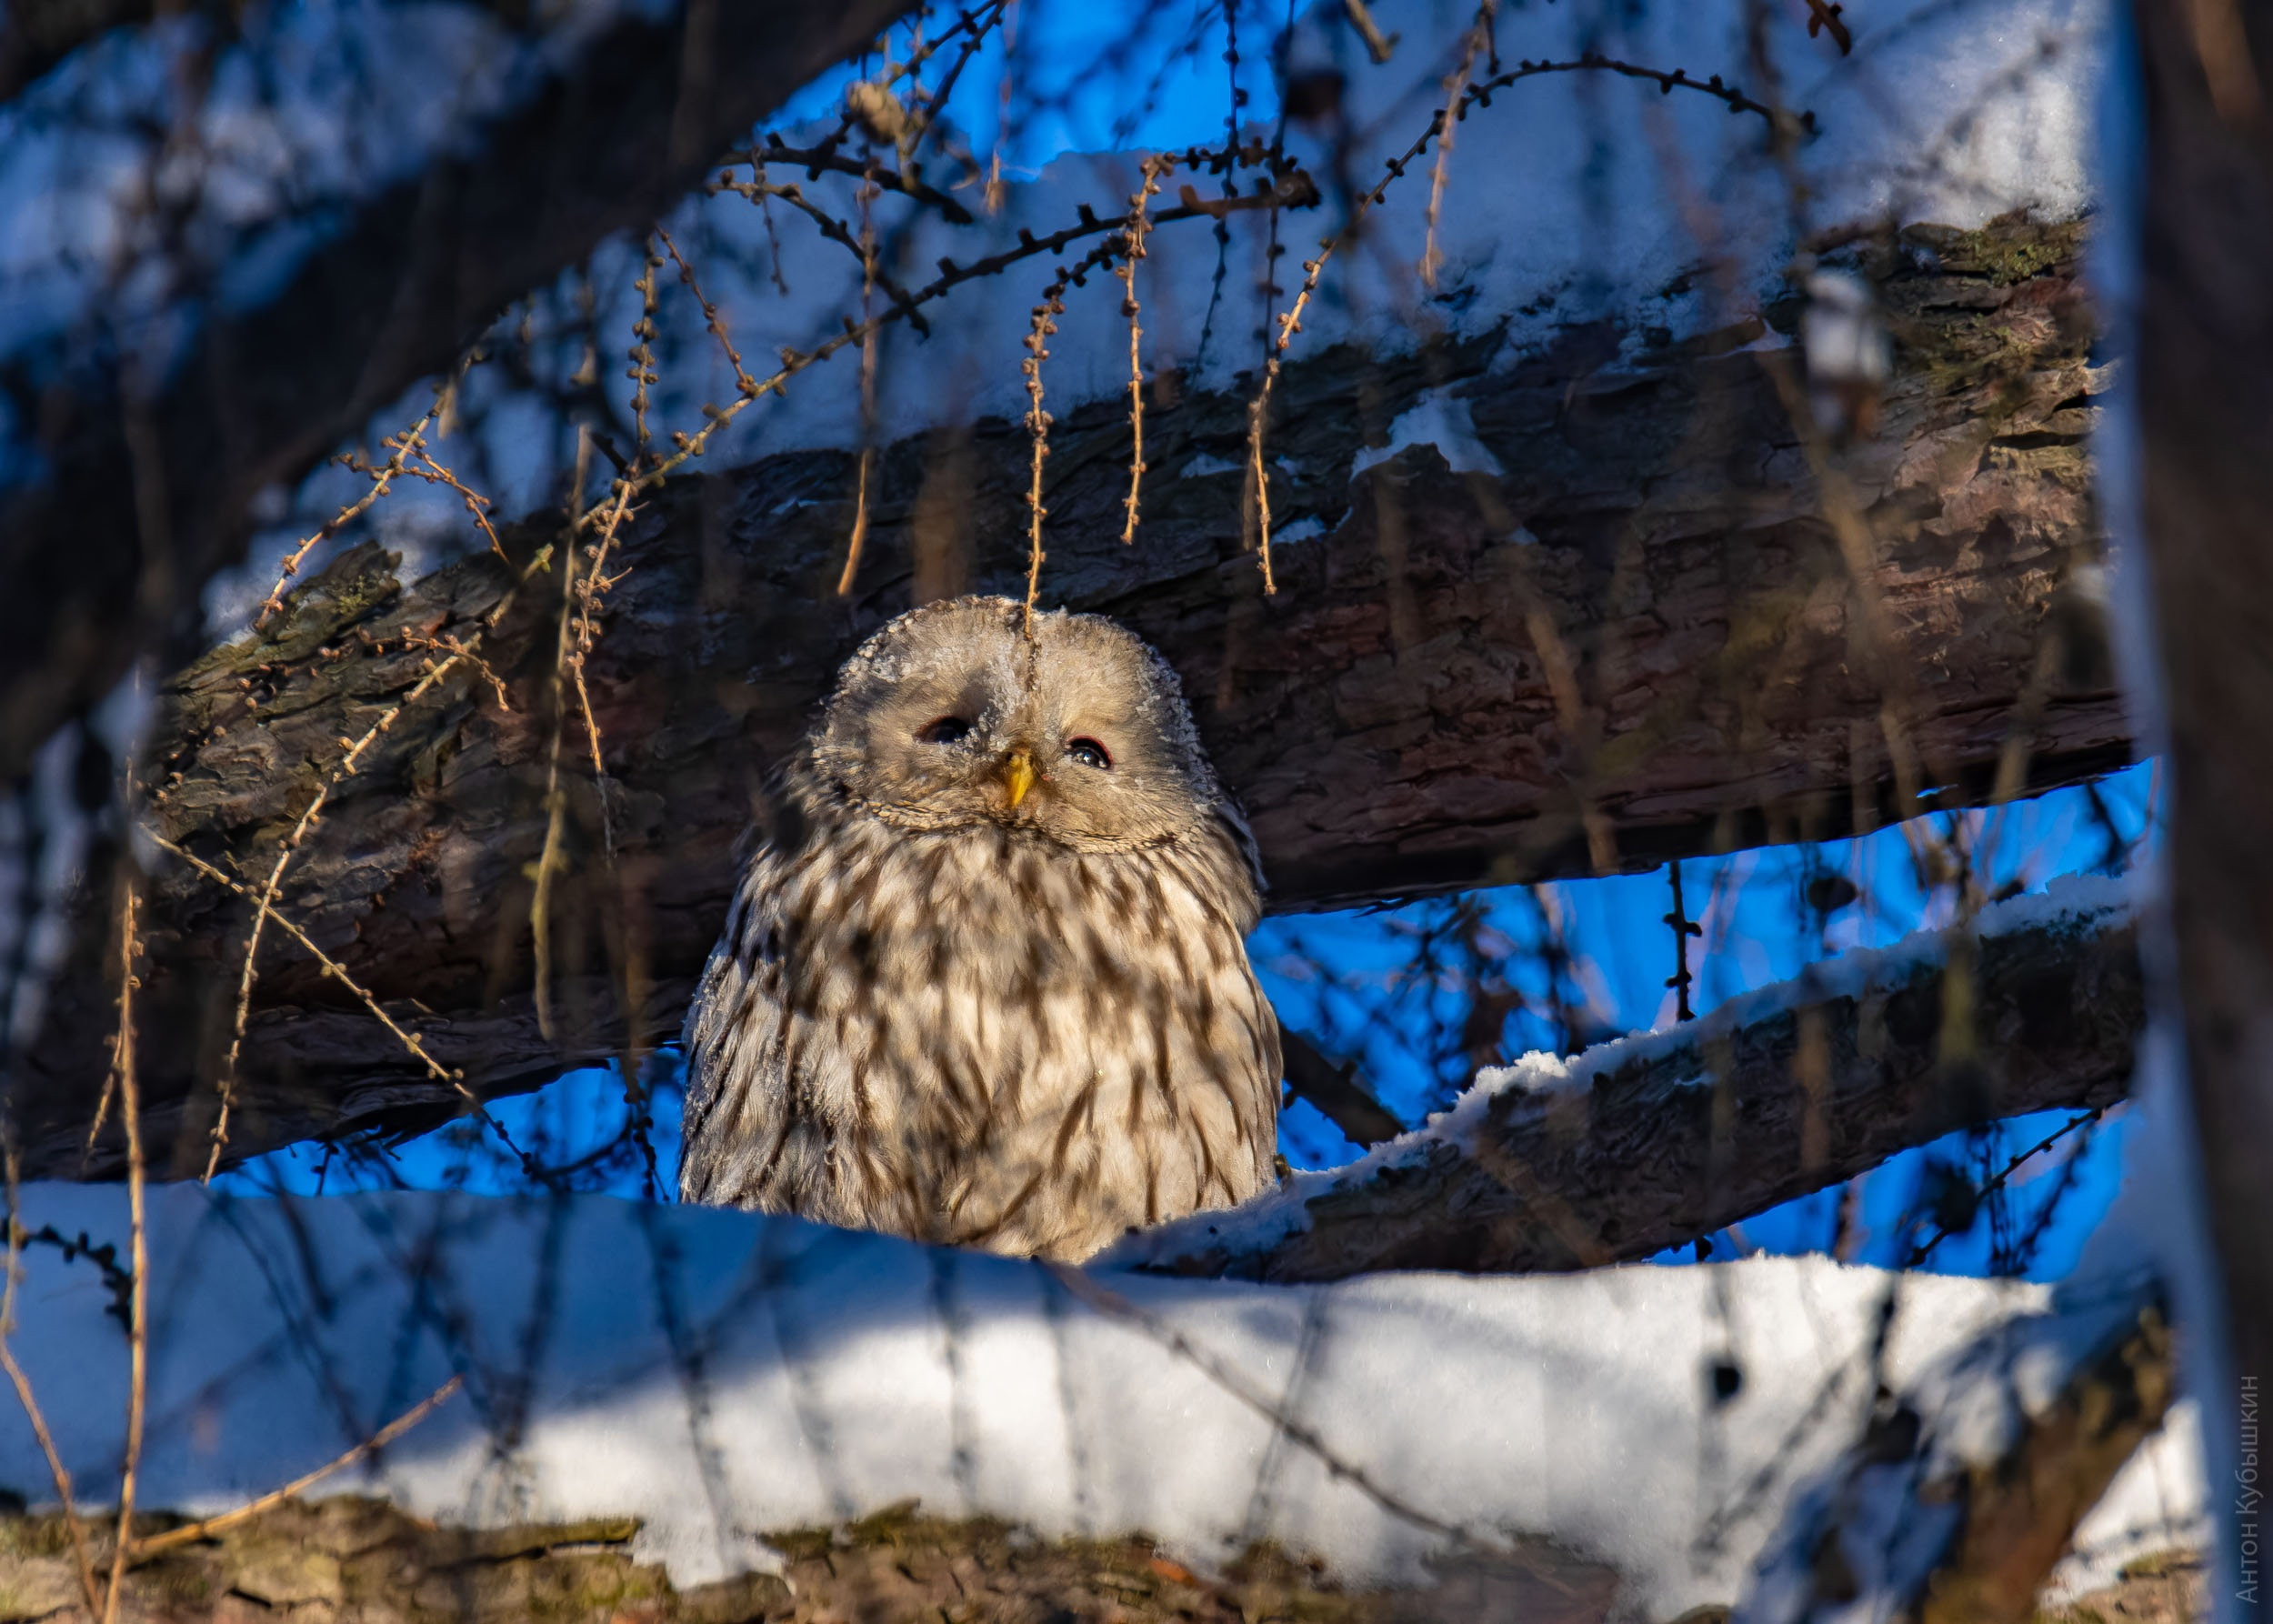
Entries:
{"x":1976,"y":1542}
{"x":2205,"y":356}
{"x":1671,"y":1136}
{"x":2020,"y":1512}
{"x":1336,"y":1091}
{"x":1636,"y":642}
{"x":393,"y":294}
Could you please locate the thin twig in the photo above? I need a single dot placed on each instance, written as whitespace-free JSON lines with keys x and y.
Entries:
{"x":553,"y":859}
{"x":338,"y":972}
{"x":138,"y":1332}
{"x":1294,"y":190}
{"x":265,"y":907}
{"x":330,"y":966}
{"x":190,"y":1533}
{"x":436,"y":473}
{"x":996,"y":190}
{"x":1683,"y":928}
{"x":1153,"y":168}
{"x":816,"y":159}
{"x":1924,"y":1249}
{"x":401,"y":448}
{"x":1376,"y":46}
{"x":462,"y":651}
{"x":643,"y":374}
{"x":1476,"y":95}
{"x":588,"y":592}
{"x":1037,"y":423}
{"x":1455,"y":84}
{"x":22,"y":1384}
{"x":866,"y":194}
{"x":761,"y":189}
{"x":712,"y":320}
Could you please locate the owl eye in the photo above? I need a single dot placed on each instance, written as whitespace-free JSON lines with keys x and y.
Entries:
{"x":1089,"y":753}
{"x":943,"y":730}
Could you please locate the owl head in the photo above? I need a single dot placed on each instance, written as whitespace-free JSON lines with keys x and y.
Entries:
{"x":950,"y":718}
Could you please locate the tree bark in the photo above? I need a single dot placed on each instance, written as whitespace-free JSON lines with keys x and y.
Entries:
{"x":2206,"y":401}
{"x":139,"y":506}
{"x":1668,"y":1138}
{"x":362,"y":1562}
{"x":1639,"y":641}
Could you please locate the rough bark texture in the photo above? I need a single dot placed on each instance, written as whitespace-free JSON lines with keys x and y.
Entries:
{"x":2020,"y":1512}
{"x":2206,"y":400}
{"x":1716,"y":1123}
{"x":392,"y":295}
{"x":353,"y":1561}
{"x":1639,"y":641}
{"x":2004,"y":1523}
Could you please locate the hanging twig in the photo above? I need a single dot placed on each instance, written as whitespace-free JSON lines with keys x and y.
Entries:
{"x":22,"y":1382}
{"x":1477,"y":94}
{"x":996,"y":190}
{"x":1037,"y":423}
{"x":264,"y":906}
{"x":1456,"y":84}
{"x":1684,"y":928}
{"x":138,"y":1331}
{"x":866,"y":194}
{"x":333,"y":969}
{"x":1153,"y":169}
{"x":190,"y":1533}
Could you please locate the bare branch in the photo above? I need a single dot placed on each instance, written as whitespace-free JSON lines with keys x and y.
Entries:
{"x":1662,"y":1138}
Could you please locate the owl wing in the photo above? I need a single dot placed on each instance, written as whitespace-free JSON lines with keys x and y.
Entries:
{"x":732,"y":1033}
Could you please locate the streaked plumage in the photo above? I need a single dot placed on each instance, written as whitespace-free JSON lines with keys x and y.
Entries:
{"x":984,"y":981}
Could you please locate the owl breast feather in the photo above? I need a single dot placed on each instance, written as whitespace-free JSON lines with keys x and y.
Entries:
{"x":978,"y":1036}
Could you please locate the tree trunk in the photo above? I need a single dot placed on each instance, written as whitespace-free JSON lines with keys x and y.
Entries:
{"x":1640,"y":641}
{"x":2206,"y":401}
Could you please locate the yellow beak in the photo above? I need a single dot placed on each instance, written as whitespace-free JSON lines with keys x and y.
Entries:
{"x":1017,"y":776}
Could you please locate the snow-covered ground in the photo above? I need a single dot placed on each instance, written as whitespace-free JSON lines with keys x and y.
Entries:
{"x":720,"y":1375}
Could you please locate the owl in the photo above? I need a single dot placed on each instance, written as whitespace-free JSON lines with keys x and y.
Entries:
{"x":984,"y":982}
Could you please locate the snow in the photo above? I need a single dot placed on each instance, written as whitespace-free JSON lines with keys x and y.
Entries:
{"x":1439,"y":418}
{"x":2080,"y":903}
{"x":721,"y":1374}
{"x":1564,"y":201}
{"x":1577,"y":198}
{"x":1890,"y":1515}
{"x":136,"y":190}
{"x":2157,"y":1503}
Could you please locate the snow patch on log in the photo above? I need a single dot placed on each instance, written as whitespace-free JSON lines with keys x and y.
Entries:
{"x":1439,"y":418}
{"x":718,"y":1374}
